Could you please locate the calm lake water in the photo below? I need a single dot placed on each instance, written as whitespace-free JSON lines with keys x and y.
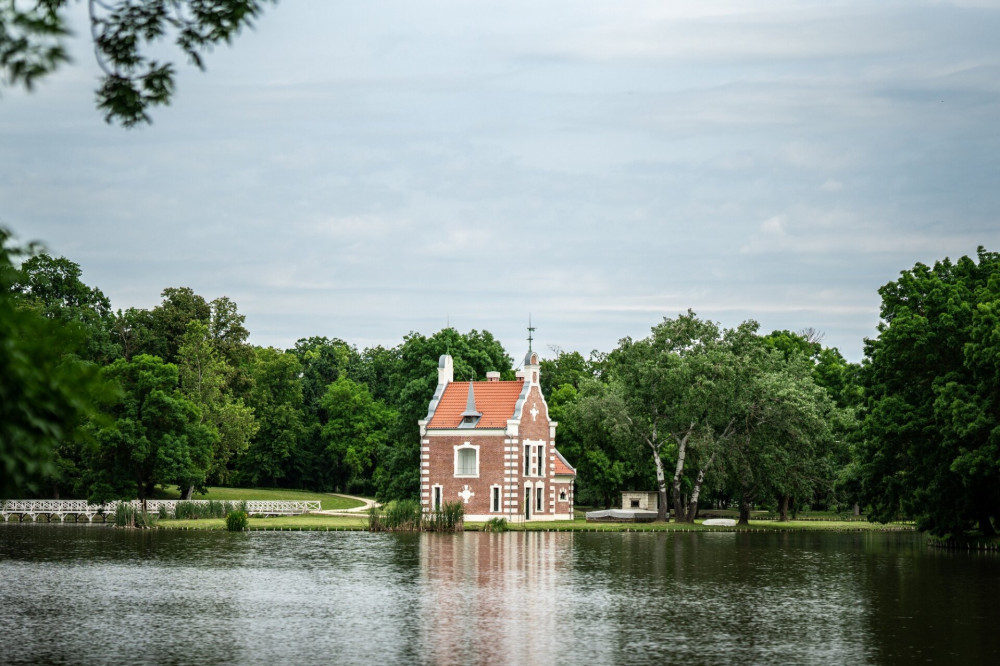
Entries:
{"x":88,"y":595}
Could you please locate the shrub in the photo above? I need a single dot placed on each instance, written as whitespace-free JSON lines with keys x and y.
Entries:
{"x":497,"y":524}
{"x":237,"y":521}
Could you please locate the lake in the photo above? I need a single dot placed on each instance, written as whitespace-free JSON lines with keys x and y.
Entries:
{"x":93,"y":595}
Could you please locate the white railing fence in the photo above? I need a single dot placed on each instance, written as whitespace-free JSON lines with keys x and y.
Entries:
{"x":77,"y":508}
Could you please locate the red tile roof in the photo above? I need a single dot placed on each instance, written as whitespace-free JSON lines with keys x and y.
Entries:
{"x":496,"y":400}
{"x":562,"y":467}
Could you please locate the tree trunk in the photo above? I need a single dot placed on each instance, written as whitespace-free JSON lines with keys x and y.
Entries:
{"x":678,"y":471}
{"x":692,"y":510}
{"x":190,"y":493}
{"x":744,"y":511}
{"x":985,"y":526}
{"x":783,"y":508}
{"x":661,"y":482}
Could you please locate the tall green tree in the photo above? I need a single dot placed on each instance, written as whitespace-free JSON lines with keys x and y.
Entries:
{"x":156,"y":435}
{"x":46,"y":393}
{"x":204,"y":380}
{"x":591,"y":436}
{"x":169,"y":321}
{"x":53,"y":286}
{"x":276,"y":400}
{"x":834,"y":479}
{"x":355,"y":429}
{"x":676,"y":386}
{"x":931,"y":446}
{"x":779,"y":447}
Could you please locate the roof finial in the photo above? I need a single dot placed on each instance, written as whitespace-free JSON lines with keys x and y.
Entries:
{"x":531,"y":329}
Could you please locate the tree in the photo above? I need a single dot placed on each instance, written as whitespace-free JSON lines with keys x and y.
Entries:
{"x":834,"y":477}
{"x":590,"y":433}
{"x":567,"y":368}
{"x":169,"y":321}
{"x":46,"y":393}
{"x":931,"y":446}
{"x":784,"y":431}
{"x":131,"y":331}
{"x":32,"y":37}
{"x":674,"y":385}
{"x":355,"y":429}
{"x":54,"y":288}
{"x":156,"y":435}
{"x":276,"y":400}
{"x":204,"y":380}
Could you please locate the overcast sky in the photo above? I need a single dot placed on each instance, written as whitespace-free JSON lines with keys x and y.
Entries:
{"x":365,"y":169}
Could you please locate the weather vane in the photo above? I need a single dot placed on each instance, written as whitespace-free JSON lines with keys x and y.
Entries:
{"x":531,"y":329}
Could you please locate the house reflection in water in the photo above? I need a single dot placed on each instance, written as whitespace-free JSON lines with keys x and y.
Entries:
{"x":493,"y":598}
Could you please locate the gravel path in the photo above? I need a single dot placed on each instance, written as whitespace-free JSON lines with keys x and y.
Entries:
{"x":349,"y":512}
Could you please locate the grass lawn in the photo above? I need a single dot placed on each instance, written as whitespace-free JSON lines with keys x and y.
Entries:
{"x":311,"y":521}
{"x":236,"y":494}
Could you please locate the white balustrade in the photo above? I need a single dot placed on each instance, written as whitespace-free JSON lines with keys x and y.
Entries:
{"x":63,"y":508}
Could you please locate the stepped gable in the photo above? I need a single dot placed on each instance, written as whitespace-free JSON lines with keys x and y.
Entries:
{"x":496,"y":400}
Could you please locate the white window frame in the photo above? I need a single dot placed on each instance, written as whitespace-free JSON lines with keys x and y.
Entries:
{"x":437,"y":497}
{"x":540,"y":498}
{"x":534,"y":458}
{"x":496,"y":499}
{"x":465,"y":447}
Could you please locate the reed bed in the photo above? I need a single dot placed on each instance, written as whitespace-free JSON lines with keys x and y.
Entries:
{"x":407,"y":516}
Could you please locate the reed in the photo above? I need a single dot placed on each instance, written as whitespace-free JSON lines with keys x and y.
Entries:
{"x":209,"y":509}
{"x":448,"y":518}
{"x":498,"y":524}
{"x":127,"y":515}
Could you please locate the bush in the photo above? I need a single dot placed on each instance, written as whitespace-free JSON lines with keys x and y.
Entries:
{"x":497,"y":524}
{"x":237,"y":521}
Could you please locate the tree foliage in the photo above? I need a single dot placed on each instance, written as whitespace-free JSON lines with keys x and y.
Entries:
{"x":53,"y":287}
{"x":355,"y":430}
{"x":276,"y":400}
{"x":32,"y":45}
{"x":156,"y":435}
{"x":46,"y":393}
{"x":931,"y":434}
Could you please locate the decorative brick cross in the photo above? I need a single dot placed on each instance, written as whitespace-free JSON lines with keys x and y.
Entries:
{"x":534,"y":412}
{"x":466,"y":494}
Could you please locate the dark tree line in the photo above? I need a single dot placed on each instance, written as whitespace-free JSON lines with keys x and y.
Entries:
{"x":126,"y":401}
{"x":104,"y":403}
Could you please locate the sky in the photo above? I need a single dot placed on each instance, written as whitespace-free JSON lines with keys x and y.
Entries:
{"x":362,"y":170}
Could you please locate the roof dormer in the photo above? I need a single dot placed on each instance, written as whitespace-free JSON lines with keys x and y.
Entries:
{"x":471,"y":416}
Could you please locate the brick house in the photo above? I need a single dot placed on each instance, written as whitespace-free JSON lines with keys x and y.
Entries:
{"x":490,"y":444}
